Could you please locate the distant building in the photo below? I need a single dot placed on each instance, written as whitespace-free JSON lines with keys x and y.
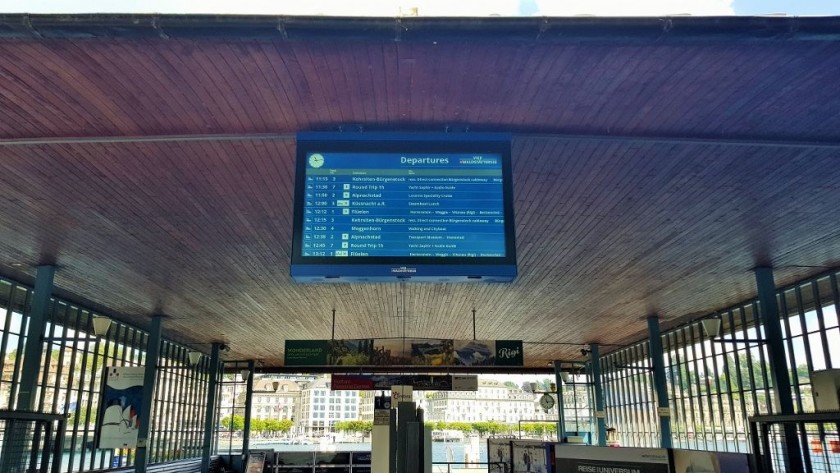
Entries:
{"x":275,"y":396}
{"x":320,"y":408}
{"x":366,"y":405}
{"x":493,"y":401}
{"x":273,"y":399}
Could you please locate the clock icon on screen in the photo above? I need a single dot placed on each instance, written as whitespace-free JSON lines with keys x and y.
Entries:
{"x":316,"y":160}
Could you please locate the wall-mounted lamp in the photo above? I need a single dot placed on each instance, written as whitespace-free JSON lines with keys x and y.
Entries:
{"x":569,"y":378}
{"x":275,"y":385}
{"x":194,"y":357}
{"x":711,"y":327}
{"x":101,"y":325}
{"x":245,"y":374}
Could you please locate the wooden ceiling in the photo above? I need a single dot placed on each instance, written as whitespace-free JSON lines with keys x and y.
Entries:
{"x":656,"y":161}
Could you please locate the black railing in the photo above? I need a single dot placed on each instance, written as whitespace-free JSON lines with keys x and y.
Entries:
{"x":31,"y":442}
{"x":818,"y":442}
{"x":449,"y":467}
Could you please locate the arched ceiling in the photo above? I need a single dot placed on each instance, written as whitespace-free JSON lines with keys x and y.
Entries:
{"x":656,"y":161}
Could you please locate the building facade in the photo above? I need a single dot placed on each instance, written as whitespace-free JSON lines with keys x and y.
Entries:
{"x":494,"y":401}
{"x":320,"y":408}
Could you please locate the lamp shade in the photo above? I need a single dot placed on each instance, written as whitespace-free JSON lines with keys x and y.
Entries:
{"x":245,"y":374}
{"x":711,"y":326}
{"x":194,"y":356}
{"x":565,"y":376}
{"x":101,"y":325}
{"x":533,"y":387}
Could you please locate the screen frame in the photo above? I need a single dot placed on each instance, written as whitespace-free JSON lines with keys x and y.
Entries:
{"x":379,"y":142}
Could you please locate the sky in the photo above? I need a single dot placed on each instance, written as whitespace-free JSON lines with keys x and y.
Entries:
{"x":393,"y":8}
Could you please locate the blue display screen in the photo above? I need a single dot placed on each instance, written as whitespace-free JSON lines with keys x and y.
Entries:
{"x":407,"y":205}
{"x":403,"y":204}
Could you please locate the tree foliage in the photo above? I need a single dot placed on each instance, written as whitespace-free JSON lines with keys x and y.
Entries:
{"x":539,"y":429}
{"x":361,"y":426}
{"x":483,"y":428}
{"x":235,"y":422}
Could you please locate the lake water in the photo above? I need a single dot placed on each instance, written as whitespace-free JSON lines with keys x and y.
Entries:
{"x":441,"y":452}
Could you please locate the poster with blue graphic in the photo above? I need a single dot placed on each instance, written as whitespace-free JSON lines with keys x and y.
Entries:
{"x":120,"y":407}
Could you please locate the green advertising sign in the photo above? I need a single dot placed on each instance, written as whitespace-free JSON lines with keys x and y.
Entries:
{"x":509,"y":353}
{"x":307,"y":352}
{"x":404,"y":352}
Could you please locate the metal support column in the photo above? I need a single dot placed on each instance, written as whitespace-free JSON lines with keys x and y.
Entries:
{"x":600,"y":419}
{"x":35,"y":337}
{"x":659,"y":381}
{"x":774,"y":339}
{"x":561,"y":421}
{"x":210,"y":413}
{"x":249,"y":397}
{"x":141,"y":458}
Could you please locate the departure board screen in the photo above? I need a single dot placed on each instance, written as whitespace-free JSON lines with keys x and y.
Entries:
{"x":408,"y":206}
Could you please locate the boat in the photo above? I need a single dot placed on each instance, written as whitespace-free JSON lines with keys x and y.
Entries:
{"x":447,"y":436}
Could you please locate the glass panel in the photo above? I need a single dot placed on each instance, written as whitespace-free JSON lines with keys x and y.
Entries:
{"x":833,"y":336}
{"x":812,"y":321}
{"x":10,"y":357}
{"x":793,"y":313}
{"x":829,"y":315}
{"x":826,"y":301}
{"x":817,"y":353}
{"x":800,"y":360}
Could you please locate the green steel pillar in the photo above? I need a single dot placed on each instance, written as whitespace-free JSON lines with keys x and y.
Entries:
{"x":141,"y":459}
{"x":601,"y":421}
{"x":249,"y":397}
{"x":35,"y":338}
{"x":773,"y":337}
{"x":210,"y":413}
{"x":561,"y":421}
{"x":659,"y":381}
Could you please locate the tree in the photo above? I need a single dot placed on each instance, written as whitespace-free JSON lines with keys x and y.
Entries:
{"x":535,"y":429}
{"x":683,"y":376}
{"x":462,"y":426}
{"x":360,"y":426}
{"x":236,"y":422}
{"x":286,"y":425}
{"x":802,"y":374}
{"x":272,"y":426}
{"x":257,"y":425}
{"x":81,"y":413}
{"x":488,"y":428}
